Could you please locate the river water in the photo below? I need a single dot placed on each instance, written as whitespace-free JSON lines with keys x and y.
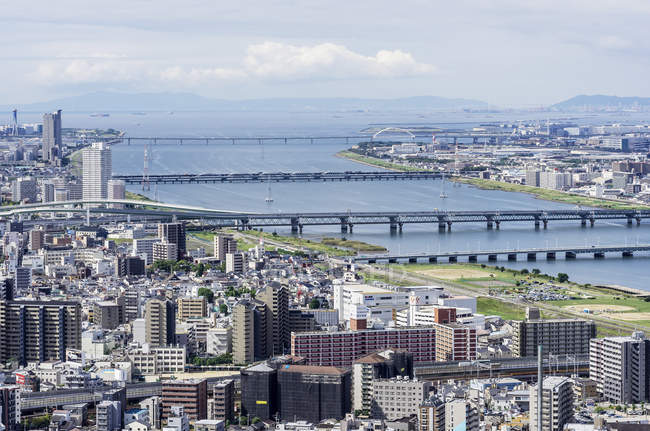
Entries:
{"x":361,"y":196}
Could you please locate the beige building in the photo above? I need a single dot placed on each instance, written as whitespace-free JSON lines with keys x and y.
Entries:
{"x":276,"y":298}
{"x":398,"y":398}
{"x":160,"y":321}
{"x":224,"y":244}
{"x":149,"y":361}
{"x":252,"y":332}
{"x":190,"y":307}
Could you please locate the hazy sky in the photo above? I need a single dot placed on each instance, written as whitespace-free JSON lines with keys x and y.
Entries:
{"x":506,"y":52}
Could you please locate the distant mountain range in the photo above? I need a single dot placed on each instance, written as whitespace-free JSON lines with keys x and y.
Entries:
{"x":110,"y":101}
{"x":599,"y":101}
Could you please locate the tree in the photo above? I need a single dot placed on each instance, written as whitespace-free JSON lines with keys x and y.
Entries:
{"x":255,"y":420}
{"x":207,"y":293}
{"x":223,"y":309}
{"x":562,"y":277}
{"x":536,"y":271}
{"x":199,"y":270}
{"x":524,"y":271}
{"x":314,"y":304}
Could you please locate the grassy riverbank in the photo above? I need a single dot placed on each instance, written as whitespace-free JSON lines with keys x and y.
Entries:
{"x":373,"y":161}
{"x":354,"y":245}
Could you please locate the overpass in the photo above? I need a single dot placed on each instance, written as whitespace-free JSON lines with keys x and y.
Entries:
{"x":520,"y":368}
{"x":279,"y":177}
{"x":345,"y":219}
{"x":512,"y":255}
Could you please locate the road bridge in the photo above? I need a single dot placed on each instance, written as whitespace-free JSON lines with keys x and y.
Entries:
{"x":218,"y":218}
{"x":280,"y":177}
{"x":512,"y":254}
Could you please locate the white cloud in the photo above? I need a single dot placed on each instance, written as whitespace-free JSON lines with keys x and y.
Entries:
{"x":268,"y":61}
{"x":613,"y":42}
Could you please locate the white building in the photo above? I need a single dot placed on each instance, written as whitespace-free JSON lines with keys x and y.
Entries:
{"x":236,"y":262}
{"x":219,"y":341}
{"x":557,"y":404}
{"x":158,"y":360}
{"x":461,"y":415}
{"x":97,"y":171}
{"x":398,"y":398}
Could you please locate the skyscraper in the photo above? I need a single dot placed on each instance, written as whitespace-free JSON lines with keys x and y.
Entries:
{"x":97,"y":171}
{"x":52,"y":136}
{"x":276,"y":298}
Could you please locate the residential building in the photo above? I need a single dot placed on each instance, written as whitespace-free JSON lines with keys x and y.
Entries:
{"x":252,"y":334}
{"x":47,"y":191}
{"x":129,"y":266}
{"x":236,"y":262}
{"x":24,"y":189}
{"x":174,"y":233}
{"x":222,"y":404}
{"x":108,"y":315}
{"x":52,"y":139}
{"x":455,"y":342}
{"x":22,"y":279}
{"x":97,"y":171}
{"x":557,"y":336}
{"x":191,"y":307}
{"x":397,"y":398}
{"x":160,"y":317}
{"x":218,"y":341}
{"x":109,"y":416}
{"x":36,"y":239}
{"x":461,"y":415}
{"x":276,"y":298}
{"x":116,"y":190}
{"x":10,"y":407}
{"x":39,"y":330}
{"x":154,"y":407}
{"x":557,"y":404}
{"x":431,"y":415}
{"x":131,"y":304}
{"x":532,"y":178}
{"x":145,"y":246}
{"x":149,"y":361}
{"x":163,"y":250}
{"x":313,"y":393}
{"x":619,"y":366}
{"x":210,"y":425}
{"x":192,"y":395}
{"x":223,"y":245}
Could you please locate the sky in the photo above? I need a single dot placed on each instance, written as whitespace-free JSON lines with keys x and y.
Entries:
{"x":508,"y":53}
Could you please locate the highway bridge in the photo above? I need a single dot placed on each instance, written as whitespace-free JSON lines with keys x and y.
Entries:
{"x":512,"y":255}
{"x":520,"y":368}
{"x":346,"y":220}
{"x":279,"y":177}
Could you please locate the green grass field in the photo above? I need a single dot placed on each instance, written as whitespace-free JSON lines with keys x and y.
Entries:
{"x":494,"y":307}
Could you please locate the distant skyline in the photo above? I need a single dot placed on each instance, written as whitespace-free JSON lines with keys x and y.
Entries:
{"x":504,"y":52}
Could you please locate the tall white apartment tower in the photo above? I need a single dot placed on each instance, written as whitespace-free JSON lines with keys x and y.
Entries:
{"x":97,"y":171}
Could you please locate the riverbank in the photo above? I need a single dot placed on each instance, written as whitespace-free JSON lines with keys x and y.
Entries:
{"x":539,"y":193}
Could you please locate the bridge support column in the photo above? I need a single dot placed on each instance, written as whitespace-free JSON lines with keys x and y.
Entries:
{"x":592,"y":222}
{"x":442,"y":226}
{"x":599,"y":255}
{"x":453,"y":259}
{"x":498,"y":224}
{"x":300,"y":228}
{"x":569,"y":255}
{"x":433,"y":259}
{"x":350,"y":227}
{"x":449,"y":226}
{"x":638,"y":221}
{"x":490,"y":225}
{"x":512,"y":257}
{"x":583,"y":222}
{"x":400,"y":226}
{"x":550,"y":256}
{"x":629,"y":221}
{"x":294,"y":225}
{"x":537,"y":223}
{"x":413,"y":260}
{"x":344,"y":227}
{"x":545,"y":223}
{"x":392,"y":260}
{"x":492,"y":257}
{"x":472,"y":259}
{"x":393,"y":225}
{"x":628,"y":254}
{"x":532,"y":256}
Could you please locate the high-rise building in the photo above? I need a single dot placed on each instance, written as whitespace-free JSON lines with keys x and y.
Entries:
{"x":161,"y":322}
{"x":532,"y":177}
{"x":431,"y":415}
{"x":191,"y":395}
{"x":619,"y":367}
{"x":97,"y":171}
{"x":131,"y":304}
{"x":461,"y":415}
{"x":222,"y":405}
{"x":39,"y":330}
{"x":47,"y":191}
{"x":145,"y":246}
{"x":236,"y":262}
{"x":36,"y":239}
{"x":455,"y":342}
{"x":189,"y":307}
{"x":129,"y":266}
{"x":174,"y":233}
{"x":24,"y":189}
{"x":557,"y":336}
{"x":259,"y":391}
{"x":22,"y":278}
{"x":313,"y":393}
{"x":557,"y":404}
{"x":398,"y":397}
{"x":276,"y":298}
{"x":107,"y":314}
{"x":252,"y":332}
{"x":10,"y":407}
{"x":224,"y":244}
{"x":52,"y":140}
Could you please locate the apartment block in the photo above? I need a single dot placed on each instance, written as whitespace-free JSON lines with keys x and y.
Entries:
{"x":398,"y":397}
{"x":557,"y":404}
{"x":191,"y":307}
{"x":557,"y":336}
{"x":191,"y":395}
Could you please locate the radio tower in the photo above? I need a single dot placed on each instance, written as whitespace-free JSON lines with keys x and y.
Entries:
{"x":145,"y":170}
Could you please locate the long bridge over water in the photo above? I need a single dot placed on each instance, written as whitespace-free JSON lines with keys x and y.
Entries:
{"x":511,"y":254}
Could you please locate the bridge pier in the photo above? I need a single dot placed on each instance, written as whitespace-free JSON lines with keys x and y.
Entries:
{"x":492,"y":257}
{"x":433,"y":259}
{"x":344,"y":227}
{"x":512,"y":257}
{"x":545,"y":223}
{"x":628,"y":254}
{"x":583,"y":222}
{"x":537,"y":223}
{"x":295,"y":225}
{"x":449,"y":226}
{"x":472,"y":259}
{"x":532,"y":256}
{"x":490,"y":225}
{"x":638,"y":221}
{"x":629,"y":221}
{"x":393,"y":224}
{"x":592,"y":221}
{"x":401,"y":226}
{"x":550,"y":256}
{"x":350,"y":227}
{"x":498,"y":224}
{"x":453,"y":259}
{"x":599,"y":255}
{"x":569,"y":255}
{"x":442,"y":226}
{"x":392,"y":260}
{"x":413,"y":260}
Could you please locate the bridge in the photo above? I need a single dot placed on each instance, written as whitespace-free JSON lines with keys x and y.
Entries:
{"x":520,"y":368}
{"x":512,"y":254}
{"x":395,"y":220}
{"x":280,"y":177}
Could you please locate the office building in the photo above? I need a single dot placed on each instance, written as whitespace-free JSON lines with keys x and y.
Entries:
{"x":276,"y":298}
{"x":619,"y":366}
{"x":557,"y":336}
{"x":342,"y":348}
{"x":129,"y":266}
{"x":191,"y":395}
{"x":39,"y":330}
{"x":97,"y":171}
{"x":259,"y":391}
{"x":398,"y":397}
{"x":10,"y":407}
{"x":312,"y":393}
{"x":532,"y":178}
{"x":461,"y":415}
{"x":108,"y":315}
{"x":191,"y":307}
{"x":160,"y":316}
{"x":431,"y":415}
{"x":224,"y":244}
{"x":24,"y":189}
{"x":109,"y":416}
{"x":22,"y":278}
{"x":150,"y":361}
{"x":163,"y":250}
{"x":222,"y":404}
{"x":52,"y":140}
{"x":7,"y":288}
{"x":252,"y":332}
{"x":36,"y":239}
{"x":174,"y":233}
{"x":557,"y":404}
{"x":144,"y":246}
{"x":236,"y":262}
{"x":47,"y":191}
{"x":380,"y":365}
